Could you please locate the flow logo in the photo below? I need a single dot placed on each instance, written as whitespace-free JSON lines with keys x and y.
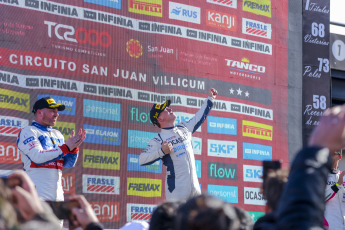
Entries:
{"x":184,"y":12}
{"x":218,"y":148}
{"x":221,"y":171}
{"x":252,"y":173}
{"x":139,"y":115}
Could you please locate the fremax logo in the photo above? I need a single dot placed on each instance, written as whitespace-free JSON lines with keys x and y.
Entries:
{"x":252,"y":173}
{"x":139,"y":115}
{"x":218,"y":148}
{"x":257,"y":152}
{"x":184,"y":12}
{"x":221,"y":171}
{"x":227,"y":193}
{"x":221,"y":125}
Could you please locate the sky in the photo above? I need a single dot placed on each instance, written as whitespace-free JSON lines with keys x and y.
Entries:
{"x":337,"y":15}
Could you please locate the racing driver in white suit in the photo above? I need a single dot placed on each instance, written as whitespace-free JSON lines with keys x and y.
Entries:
{"x":173,"y":145}
{"x":44,"y":151}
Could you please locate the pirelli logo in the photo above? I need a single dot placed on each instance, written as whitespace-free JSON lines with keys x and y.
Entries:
{"x":144,"y":187}
{"x":257,"y":130}
{"x":147,"y":7}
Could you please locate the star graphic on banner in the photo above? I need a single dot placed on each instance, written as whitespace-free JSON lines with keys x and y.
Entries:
{"x":247,"y":94}
{"x":239,"y":91}
{"x":231,"y":91}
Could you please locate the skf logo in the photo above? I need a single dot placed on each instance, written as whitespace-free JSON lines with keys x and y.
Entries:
{"x":101,"y":159}
{"x":222,"y":148}
{"x":11,"y":126}
{"x":9,"y":153}
{"x":147,"y":7}
{"x":14,"y":100}
{"x":141,"y":212}
{"x":144,"y":187}
{"x":81,"y":35}
{"x":227,"y":3}
{"x":106,"y":211}
{"x":68,"y":183}
{"x":252,"y":173}
{"x":257,"y":130}
{"x":101,"y":184}
{"x":245,"y":66}
{"x":65,"y":128}
{"x":221,"y":20}
{"x":134,"y":48}
{"x":259,"y":7}
{"x":256,"y":28}
{"x":253,"y":196}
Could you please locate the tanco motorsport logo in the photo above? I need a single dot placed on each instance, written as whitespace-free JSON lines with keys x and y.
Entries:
{"x":144,"y":187}
{"x":81,"y":35}
{"x":134,"y":48}
{"x":68,"y":183}
{"x":245,"y":69}
{"x":11,"y":126}
{"x":106,"y":211}
{"x":256,"y":28}
{"x":221,"y":171}
{"x":257,"y":130}
{"x":259,"y":7}
{"x":14,"y":100}
{"x":9,"y":153}
{"x":142,"y":212}
{"x":101,"y":184}
{"x":147,"y":7}
{"x":101,"y":159}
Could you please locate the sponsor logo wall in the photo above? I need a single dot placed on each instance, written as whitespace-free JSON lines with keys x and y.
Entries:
{"x":109,"y":61}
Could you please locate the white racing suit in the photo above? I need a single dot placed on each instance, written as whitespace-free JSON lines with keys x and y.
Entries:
{"x":335,"y":202}
{"x":44,"y":154}
{"x":181,"y":182}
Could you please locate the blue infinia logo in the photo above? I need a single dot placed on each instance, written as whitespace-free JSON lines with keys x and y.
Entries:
{"x":256,"y":152}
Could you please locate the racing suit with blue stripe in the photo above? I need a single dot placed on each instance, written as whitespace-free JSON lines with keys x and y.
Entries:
{"x":181,"y":180}
{"x":44,"y":154}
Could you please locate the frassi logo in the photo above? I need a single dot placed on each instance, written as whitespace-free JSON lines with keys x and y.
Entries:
{"x":259,"y":7}
{"x":184,"y":117}
{"x":144,"y":187}
{"x":68,"y":183}
{"x":221,"y":171}
{"x":226,"y":193}
{"x":255,"y":215}
{"x":221,"y":125}
{"x":139,"y":115}
{"x":252,"y":173}
{"x":197,"y":145}
{"x":102,"y":135}
{"x":227,"y":3}
{"x":101,"y":159}
{"x":184,"y":12}
{"x":9,"y":153}
{"x":147,"y":7}
{"x":221,"y":20}
{"x":65,"y":128}
{"x":116,"y":4}
{"x":69,"y":102}
{"x":11,"y":126}
{"x":256,"y":28}
{"x":102,"y":110}
{"x":253,"y":196}
{"x":218,"y":148}
{"x":142,"y":212}
{"x":257,"y":152}
{"x":14,"y":100}
{"x":101,"y":184}
{"x":198,"y":168}
{"x":133,"y":165}
{"x":80,"y":35}
{"x":139,"y":139}
{"x":106,"y":211}
{"x":257,"y":130}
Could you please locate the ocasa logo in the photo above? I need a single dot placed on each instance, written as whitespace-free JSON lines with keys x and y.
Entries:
{"x":253,"y":196}
{"x":222,"y":171}
{"x":221,"y":20}
{"x":106,"y":211}
{"x":79,"y":35}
